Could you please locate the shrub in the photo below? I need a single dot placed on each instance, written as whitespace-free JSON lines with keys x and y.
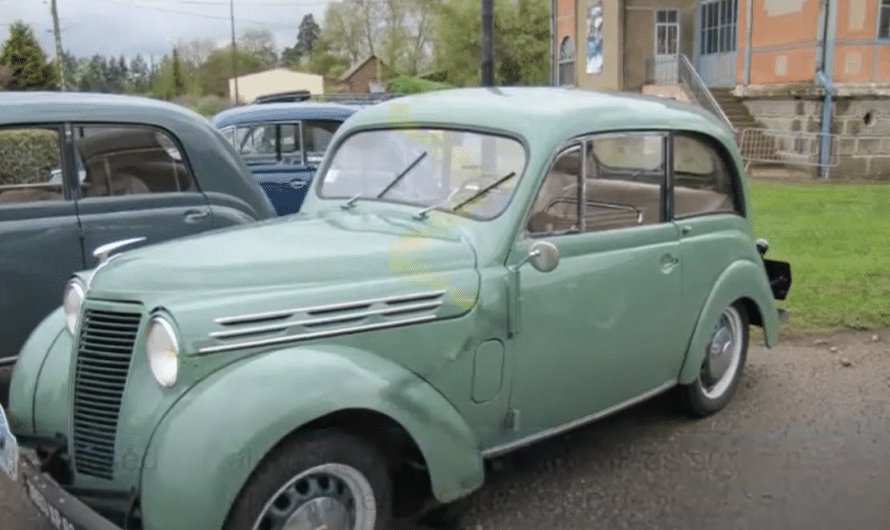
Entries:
{"x":27,"y":154}
{"x":412,"y":85}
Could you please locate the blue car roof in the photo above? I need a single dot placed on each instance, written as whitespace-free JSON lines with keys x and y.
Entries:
{"x":283,"y":111}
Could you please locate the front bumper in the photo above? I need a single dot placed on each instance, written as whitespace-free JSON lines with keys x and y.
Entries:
{"x":63,"y":510}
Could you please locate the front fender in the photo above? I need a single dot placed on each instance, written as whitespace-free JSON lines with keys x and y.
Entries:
{"x":205,"y":448}
{"x":39,"y":382}
{"x":741,"y":280}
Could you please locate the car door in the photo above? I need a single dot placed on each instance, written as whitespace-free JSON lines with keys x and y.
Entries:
{"x":708,"y":214}
{"x":283,"y":157}
{"x":599,"y":330}
{"x":135,"y":183}
{"x":39,"y":233}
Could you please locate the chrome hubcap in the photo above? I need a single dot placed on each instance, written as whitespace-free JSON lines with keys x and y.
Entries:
{"x":326,"y":497}
{"x":323,"y":513}
{"x":723,"y":355}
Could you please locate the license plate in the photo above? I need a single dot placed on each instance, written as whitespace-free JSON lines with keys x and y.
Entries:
{"x":9,"y":449}
{"x":52,"y":515}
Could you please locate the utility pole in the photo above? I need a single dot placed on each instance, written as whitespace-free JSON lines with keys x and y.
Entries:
{"x":234,"y":52}
{"x":487,"y":43}
{"x":59,"y":56}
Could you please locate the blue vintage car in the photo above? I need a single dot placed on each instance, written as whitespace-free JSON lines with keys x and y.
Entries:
{"x":283,"y":143}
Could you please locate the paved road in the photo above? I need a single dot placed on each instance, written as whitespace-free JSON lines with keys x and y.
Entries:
{"x":805,"y":445}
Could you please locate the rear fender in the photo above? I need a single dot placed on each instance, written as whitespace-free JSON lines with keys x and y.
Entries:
{"x":742,"y":280}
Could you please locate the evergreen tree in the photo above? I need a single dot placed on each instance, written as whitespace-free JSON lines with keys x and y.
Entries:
{"x":308,"y":34}
{"x":22,"y":52}
{"x":178,"y":83}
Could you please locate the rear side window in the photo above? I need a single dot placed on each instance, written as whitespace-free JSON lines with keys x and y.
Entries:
{"x":30,"y":165}
{"x":128,"y":160}
{"x":703,"y":183}
{"x":317,"y":135}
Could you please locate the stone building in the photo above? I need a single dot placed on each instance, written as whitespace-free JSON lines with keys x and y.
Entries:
{"x":814,"y":74}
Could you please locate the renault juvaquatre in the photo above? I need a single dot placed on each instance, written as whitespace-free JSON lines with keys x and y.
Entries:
{"x":473,"y":270}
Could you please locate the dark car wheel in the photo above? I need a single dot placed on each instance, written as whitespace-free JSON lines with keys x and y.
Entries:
{"x":722,"y":366}
{"x":325,"y":479}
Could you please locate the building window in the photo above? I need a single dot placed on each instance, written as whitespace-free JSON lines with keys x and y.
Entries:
{"x":718,"y":26}
{"x":566,"y":62}
{"x":884,"y":20}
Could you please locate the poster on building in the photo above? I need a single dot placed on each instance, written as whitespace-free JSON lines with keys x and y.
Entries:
{"x":595,"y":38}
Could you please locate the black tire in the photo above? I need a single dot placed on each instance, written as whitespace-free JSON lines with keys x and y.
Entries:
{"x":342,"y":454}
{"x":702,"y":397}
{"x":450,"y":516}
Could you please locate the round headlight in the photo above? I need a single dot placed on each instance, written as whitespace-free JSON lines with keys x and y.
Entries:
{"x":162,"y":351}
{"x":71,"y":302}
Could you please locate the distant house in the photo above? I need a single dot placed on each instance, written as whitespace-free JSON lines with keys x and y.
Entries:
{"x":364,"y":76}
{"x":274,"y":81}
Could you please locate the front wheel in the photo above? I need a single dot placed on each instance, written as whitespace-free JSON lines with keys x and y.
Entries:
{"x":325,"y":479}
{"x":722,"y":366}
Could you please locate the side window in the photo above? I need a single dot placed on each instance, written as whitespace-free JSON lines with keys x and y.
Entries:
{"x":128,"y":160}
{"x":556,"y":209}
{"x":291,"y":153}
{"x":257,"y":139}
{"x":702,"y":182}
{"x":624,"y":177}
{"x":30,"y":165}
{"x":317,"y":135}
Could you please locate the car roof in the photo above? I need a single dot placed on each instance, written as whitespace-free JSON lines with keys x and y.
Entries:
{"x":283,"y":111}
{"x":38,"y":106}
{"x":535,"y":111}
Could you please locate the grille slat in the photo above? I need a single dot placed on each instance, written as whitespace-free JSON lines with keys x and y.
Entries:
{"x":105,"y":349}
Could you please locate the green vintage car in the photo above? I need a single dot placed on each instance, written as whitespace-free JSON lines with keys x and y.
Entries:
{"x":473,"y":270}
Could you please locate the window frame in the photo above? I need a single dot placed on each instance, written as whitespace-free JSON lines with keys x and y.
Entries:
{"x":278,"y":152}
{"x":665,"y":193}
{"x":882,"y":34}
{"x":71,"y":135}
{"x":735,"y":179}
{"x":66,"y":165}
{"x":566,"y":59}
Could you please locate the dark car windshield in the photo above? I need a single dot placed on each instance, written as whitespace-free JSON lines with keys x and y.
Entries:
{"x":428,"y":168}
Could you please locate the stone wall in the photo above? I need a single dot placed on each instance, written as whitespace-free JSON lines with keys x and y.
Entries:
{"x":860,"y":128}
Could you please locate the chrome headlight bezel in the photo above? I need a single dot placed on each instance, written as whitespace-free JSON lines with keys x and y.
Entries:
{"x":72,"y":302}
{"x":162,"y":350}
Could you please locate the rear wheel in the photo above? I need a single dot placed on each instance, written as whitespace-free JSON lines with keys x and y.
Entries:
{"x":722,"y":366}
{"x":326,"y":479}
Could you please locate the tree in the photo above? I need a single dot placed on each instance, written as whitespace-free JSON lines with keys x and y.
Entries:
{"x":213,"y":76}
{"x":178,"y":83}
{"x":6,"y":72}
{"x":521,"y":47}
{"x":22,"y":52}
{"x":139,"y":74}
{"x":261,"y":43}
{"x":325,"y":62}
{"x":343,"y":32}
{"x":308,"y":34}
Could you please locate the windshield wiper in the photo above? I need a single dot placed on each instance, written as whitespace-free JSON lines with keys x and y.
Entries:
{"x":402,"y":174}
{"x":351,"y":202}
{"x":485,"y":190}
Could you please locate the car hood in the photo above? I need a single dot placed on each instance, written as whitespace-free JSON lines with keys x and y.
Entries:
{"x":295,"y":279}
{"x":287,"y":253}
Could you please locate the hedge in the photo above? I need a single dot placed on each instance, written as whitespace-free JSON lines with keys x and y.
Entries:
{"x":27,"y":154}
{"x":413,"y":85}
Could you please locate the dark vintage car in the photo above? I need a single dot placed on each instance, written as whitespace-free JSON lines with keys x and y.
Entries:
{"x":80,"y":171}
{"x":283,"y":143}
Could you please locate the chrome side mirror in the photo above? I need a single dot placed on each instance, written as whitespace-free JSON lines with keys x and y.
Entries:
{"x":543,"y":256}
{"x":762,"y":246}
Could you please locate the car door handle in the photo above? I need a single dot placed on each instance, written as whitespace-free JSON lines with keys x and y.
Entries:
{"x":685,"y":229}
{"x":668,"y":262}
{"x":196,"y":216}
{"x":298,"y":184}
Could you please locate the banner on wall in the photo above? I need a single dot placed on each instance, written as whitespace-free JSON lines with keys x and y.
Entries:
{"x":595,"y":38}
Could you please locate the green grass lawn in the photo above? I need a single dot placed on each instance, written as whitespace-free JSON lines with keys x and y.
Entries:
{"x":837,"y":239}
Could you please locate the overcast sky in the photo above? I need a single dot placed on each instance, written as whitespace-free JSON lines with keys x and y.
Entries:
{"x":152,"y":27}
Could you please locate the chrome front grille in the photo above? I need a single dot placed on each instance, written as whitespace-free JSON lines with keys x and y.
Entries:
{"x":103,"y":361}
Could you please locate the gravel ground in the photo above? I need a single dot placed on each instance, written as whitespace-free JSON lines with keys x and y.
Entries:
{"x":804,"y":445}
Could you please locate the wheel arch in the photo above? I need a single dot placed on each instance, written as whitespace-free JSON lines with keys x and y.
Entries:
{"x":743,"y":281}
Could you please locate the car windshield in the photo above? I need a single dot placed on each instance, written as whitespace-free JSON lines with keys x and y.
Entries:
{"x":469,"y":173}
